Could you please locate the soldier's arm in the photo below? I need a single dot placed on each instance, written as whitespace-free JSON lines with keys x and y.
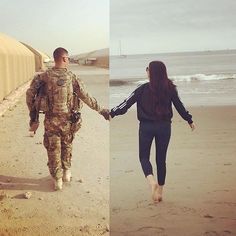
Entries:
{"x":81,"y":92}
{"x":30,"y":98}
{"x":86,"y":98}
{"x":32,"y":91}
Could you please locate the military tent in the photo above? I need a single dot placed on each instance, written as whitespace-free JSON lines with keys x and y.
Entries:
{"x":17,"y":65}
{"x":40,"y":58}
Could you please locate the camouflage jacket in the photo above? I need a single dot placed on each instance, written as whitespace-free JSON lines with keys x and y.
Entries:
{"x":60,"y":86}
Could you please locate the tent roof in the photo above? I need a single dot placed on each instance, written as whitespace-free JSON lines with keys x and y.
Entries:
{"x":37,"y":52}
{"x":10,"y":45}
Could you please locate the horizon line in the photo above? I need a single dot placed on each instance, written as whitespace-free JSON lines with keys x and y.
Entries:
{"x":187,"y":51}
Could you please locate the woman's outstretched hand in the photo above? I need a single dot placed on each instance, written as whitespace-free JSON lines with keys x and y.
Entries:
{"x":192,"y":126}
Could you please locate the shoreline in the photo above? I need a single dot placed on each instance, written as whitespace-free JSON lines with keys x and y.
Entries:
{"x":192,"y":94}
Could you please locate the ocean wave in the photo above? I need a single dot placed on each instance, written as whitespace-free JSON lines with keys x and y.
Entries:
{"x":127,"y":81}
{"x":202,"y":77}
{"x":176,"y":78}
{"x":195,"y":77}
{"x":118,"y":82}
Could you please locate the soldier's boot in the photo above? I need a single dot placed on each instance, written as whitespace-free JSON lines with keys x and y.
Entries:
{"x":58,"y":184}
{"x":66,"y":175}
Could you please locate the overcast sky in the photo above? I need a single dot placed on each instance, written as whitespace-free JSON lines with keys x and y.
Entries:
{"x":142,"y":26}
{"x":78,"y":25}
{"x":146,"y":26}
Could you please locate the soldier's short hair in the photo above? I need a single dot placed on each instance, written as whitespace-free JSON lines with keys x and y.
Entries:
{"x":59,"y":52}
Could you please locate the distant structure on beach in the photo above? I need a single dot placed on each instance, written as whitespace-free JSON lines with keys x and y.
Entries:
{"x":98,"y":58}
{"x":17,"y":65}
{"x":120,"y":50}
{"x":41,"y":59}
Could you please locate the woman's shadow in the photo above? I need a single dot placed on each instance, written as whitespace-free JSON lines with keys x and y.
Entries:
{"x":17,"y":183}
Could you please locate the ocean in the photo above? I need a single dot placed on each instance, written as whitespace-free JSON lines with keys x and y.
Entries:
{"x":203,"y":78}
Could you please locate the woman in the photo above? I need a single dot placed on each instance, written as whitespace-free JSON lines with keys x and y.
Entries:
{"x":154,"y":107}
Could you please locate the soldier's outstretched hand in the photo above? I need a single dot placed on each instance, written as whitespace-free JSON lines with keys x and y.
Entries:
{"x":105,"y":113}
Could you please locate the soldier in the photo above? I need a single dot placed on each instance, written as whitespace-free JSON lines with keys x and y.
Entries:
{"x":58,"y":93}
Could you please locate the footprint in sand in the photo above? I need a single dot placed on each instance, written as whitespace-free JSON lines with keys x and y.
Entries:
{"x":129,"y":171}
{"x":208,"y":216}
{"x":226,"y":232}
{"x":142,"y":204}
{"x":214,"y":233}
{"x":227,"y":164}
{"x":115,"y":210}
{"x":233,"y":204}
{"x":211,"y":233}
{"x":188,"y":209}
{"x":149,"y":230}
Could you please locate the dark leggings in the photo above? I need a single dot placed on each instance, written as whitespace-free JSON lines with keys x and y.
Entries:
{"x":147,"y":131}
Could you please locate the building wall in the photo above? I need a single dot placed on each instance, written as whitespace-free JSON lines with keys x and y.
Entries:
{"x":102,"y":62}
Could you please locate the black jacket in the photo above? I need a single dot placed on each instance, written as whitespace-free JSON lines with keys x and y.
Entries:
{"x":146,"y":107}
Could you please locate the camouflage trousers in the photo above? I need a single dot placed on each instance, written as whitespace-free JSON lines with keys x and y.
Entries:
{"x":58,"y":138}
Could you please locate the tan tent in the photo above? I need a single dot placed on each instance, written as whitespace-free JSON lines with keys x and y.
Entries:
{"x":17,"y":65}
{"x":40,"y":58}
{"x":46,"y":58}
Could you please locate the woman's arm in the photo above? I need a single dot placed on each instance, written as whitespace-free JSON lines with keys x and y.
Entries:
{"x":180,"y":107}
{"x":126,"y":104}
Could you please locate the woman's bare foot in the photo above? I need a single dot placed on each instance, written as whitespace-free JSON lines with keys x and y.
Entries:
{"x":159,"y":198}
{"x":159,"y":193}
{"x":154,"y":187}
{"x":155,"y":193}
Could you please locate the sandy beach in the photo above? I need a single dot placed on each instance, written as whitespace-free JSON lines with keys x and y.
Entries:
{"x":199,"y":196}
{"x":200,"y":192}
{"x":82,"y":207}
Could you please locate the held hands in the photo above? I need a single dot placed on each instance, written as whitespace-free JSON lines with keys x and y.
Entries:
{"x":105,"y":113}
{"x":192,"y":126}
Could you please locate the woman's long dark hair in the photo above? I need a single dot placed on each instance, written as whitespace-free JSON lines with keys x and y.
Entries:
{"x":161,"y":87}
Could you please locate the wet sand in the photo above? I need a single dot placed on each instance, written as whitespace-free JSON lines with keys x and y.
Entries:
{"x":82,"y":207}
{"x":200,"y":191}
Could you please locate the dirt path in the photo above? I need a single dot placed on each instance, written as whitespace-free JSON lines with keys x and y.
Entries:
{"x":81,"y":208}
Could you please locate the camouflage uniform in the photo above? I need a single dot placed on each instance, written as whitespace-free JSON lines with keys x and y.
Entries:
{"x":63,"y":93}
